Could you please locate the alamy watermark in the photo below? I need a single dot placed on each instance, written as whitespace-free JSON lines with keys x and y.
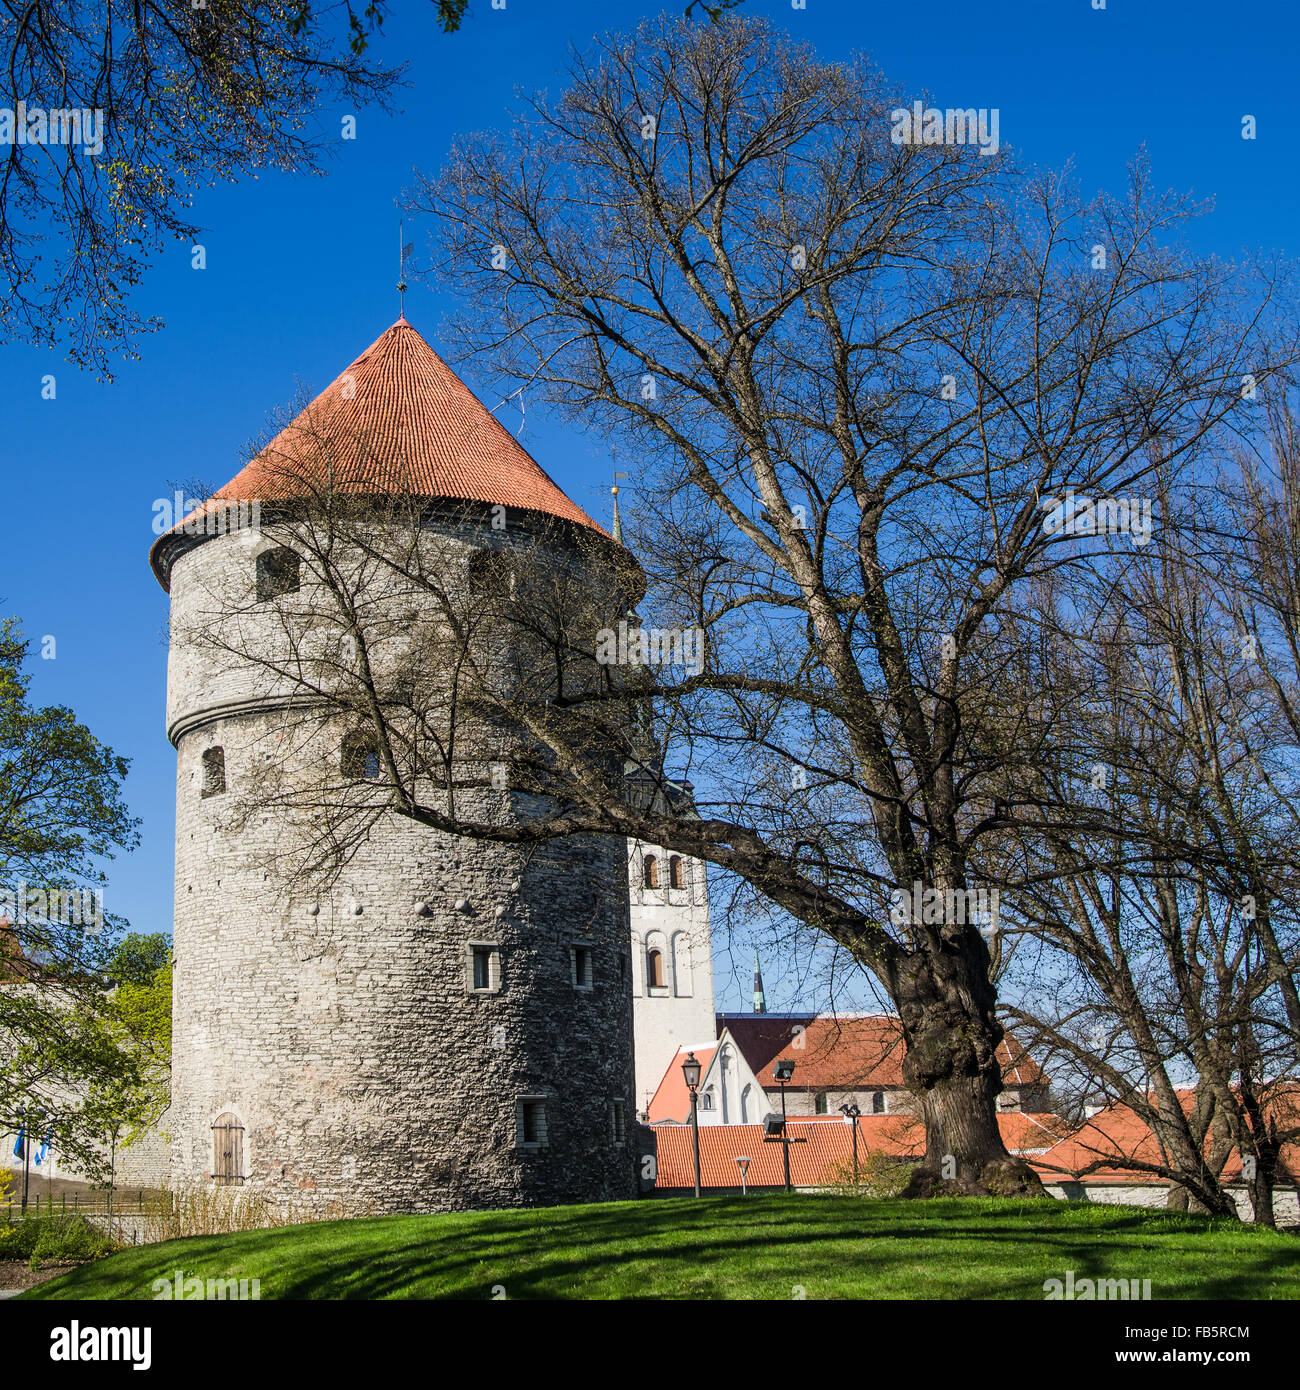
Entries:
{"x":60,"y":125}
{"x":1098,"y":1290}
{"x":192,"y":1288}
{"x":943,"y":906}
{"x":65,"y":907}
{"x":1077,"y":515}
{"x":77,"y":1343}
{"x":218,"y":517}
{"x":656,"y":646}
{"x":928,"y":125}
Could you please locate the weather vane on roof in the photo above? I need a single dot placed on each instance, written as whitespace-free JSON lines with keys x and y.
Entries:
{"x":403,"y":250}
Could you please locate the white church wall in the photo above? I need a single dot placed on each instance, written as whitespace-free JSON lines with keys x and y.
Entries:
{"x":674,"y":921}
{"x":734,"y":1094}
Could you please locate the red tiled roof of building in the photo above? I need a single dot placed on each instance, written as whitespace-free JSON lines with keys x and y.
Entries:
{"x":826,"y":1152}
{"x":1119,"y":1133}
{"x":14,"y":964}
{"x":672,"y":1099}
{"x":1025,"y":1132}
{"x":399,"y":421}
{"x":845,"y":1051}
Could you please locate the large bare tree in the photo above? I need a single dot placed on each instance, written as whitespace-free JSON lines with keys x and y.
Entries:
{"x":851,"y":371}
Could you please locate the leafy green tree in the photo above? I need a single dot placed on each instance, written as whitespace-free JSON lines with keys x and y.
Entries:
{"x":61,"y":816}
{"x":178,"y":95}
{"x":140,"y":1014}
{"x":137,"y":959}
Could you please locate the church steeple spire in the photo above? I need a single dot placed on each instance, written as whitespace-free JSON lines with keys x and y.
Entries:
{"x":616,"y":526}
{"x":760,"y":999}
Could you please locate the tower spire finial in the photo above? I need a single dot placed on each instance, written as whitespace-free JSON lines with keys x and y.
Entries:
{"x":403,"y":250}
{"x":616,"y":529}
{"x":760,"y":999}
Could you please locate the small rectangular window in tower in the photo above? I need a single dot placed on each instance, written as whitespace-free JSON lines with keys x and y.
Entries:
{"x":214,"y":771}
{"x":530,"y":1117}
{"x":277,"y":573}
{"x":618,"y":1120}
{"x":359,"y":758}
{"x":483,"y":968}
{"x":582,"y":967}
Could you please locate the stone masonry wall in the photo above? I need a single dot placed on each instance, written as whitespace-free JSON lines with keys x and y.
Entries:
{"x":338,"y":1025}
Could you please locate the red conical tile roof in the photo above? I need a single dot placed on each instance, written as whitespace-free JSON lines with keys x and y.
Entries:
{"x":399,"y":420}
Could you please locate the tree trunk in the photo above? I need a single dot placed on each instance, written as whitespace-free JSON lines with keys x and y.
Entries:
{"x":946,"y":1004}
{"x":1261,"y":1199}
{"x":1261,"y":1186}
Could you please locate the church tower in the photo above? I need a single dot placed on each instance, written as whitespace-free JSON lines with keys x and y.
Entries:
{"x":672,"y":976}
{"x":449,"y":1025}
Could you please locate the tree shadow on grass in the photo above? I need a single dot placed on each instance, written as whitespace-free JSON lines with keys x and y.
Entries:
{"x":755,"y":1247}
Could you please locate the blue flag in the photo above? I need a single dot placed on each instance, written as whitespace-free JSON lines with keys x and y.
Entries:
{"x":18,"y":1145}
{"x":44,"y":1149}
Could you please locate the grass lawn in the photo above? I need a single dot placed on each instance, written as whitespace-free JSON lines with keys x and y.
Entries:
{"x":724,"y":1247}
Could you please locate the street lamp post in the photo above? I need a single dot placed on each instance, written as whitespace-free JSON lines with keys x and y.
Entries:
{"x":743,"y":1164}
{"x":783,"y":1071}
{"x":691,"y":1073}
{"x":851,"y":1113}
{"x":27,"y":1157}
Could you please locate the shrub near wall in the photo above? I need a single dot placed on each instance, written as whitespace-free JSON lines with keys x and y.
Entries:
{"x":61,"y":1238}
{"x":879,"y":1175}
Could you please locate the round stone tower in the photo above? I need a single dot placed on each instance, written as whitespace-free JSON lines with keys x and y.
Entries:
{"x":449,"y":1023}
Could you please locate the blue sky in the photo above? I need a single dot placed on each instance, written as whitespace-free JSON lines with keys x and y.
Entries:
{"x":300,"y":275}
